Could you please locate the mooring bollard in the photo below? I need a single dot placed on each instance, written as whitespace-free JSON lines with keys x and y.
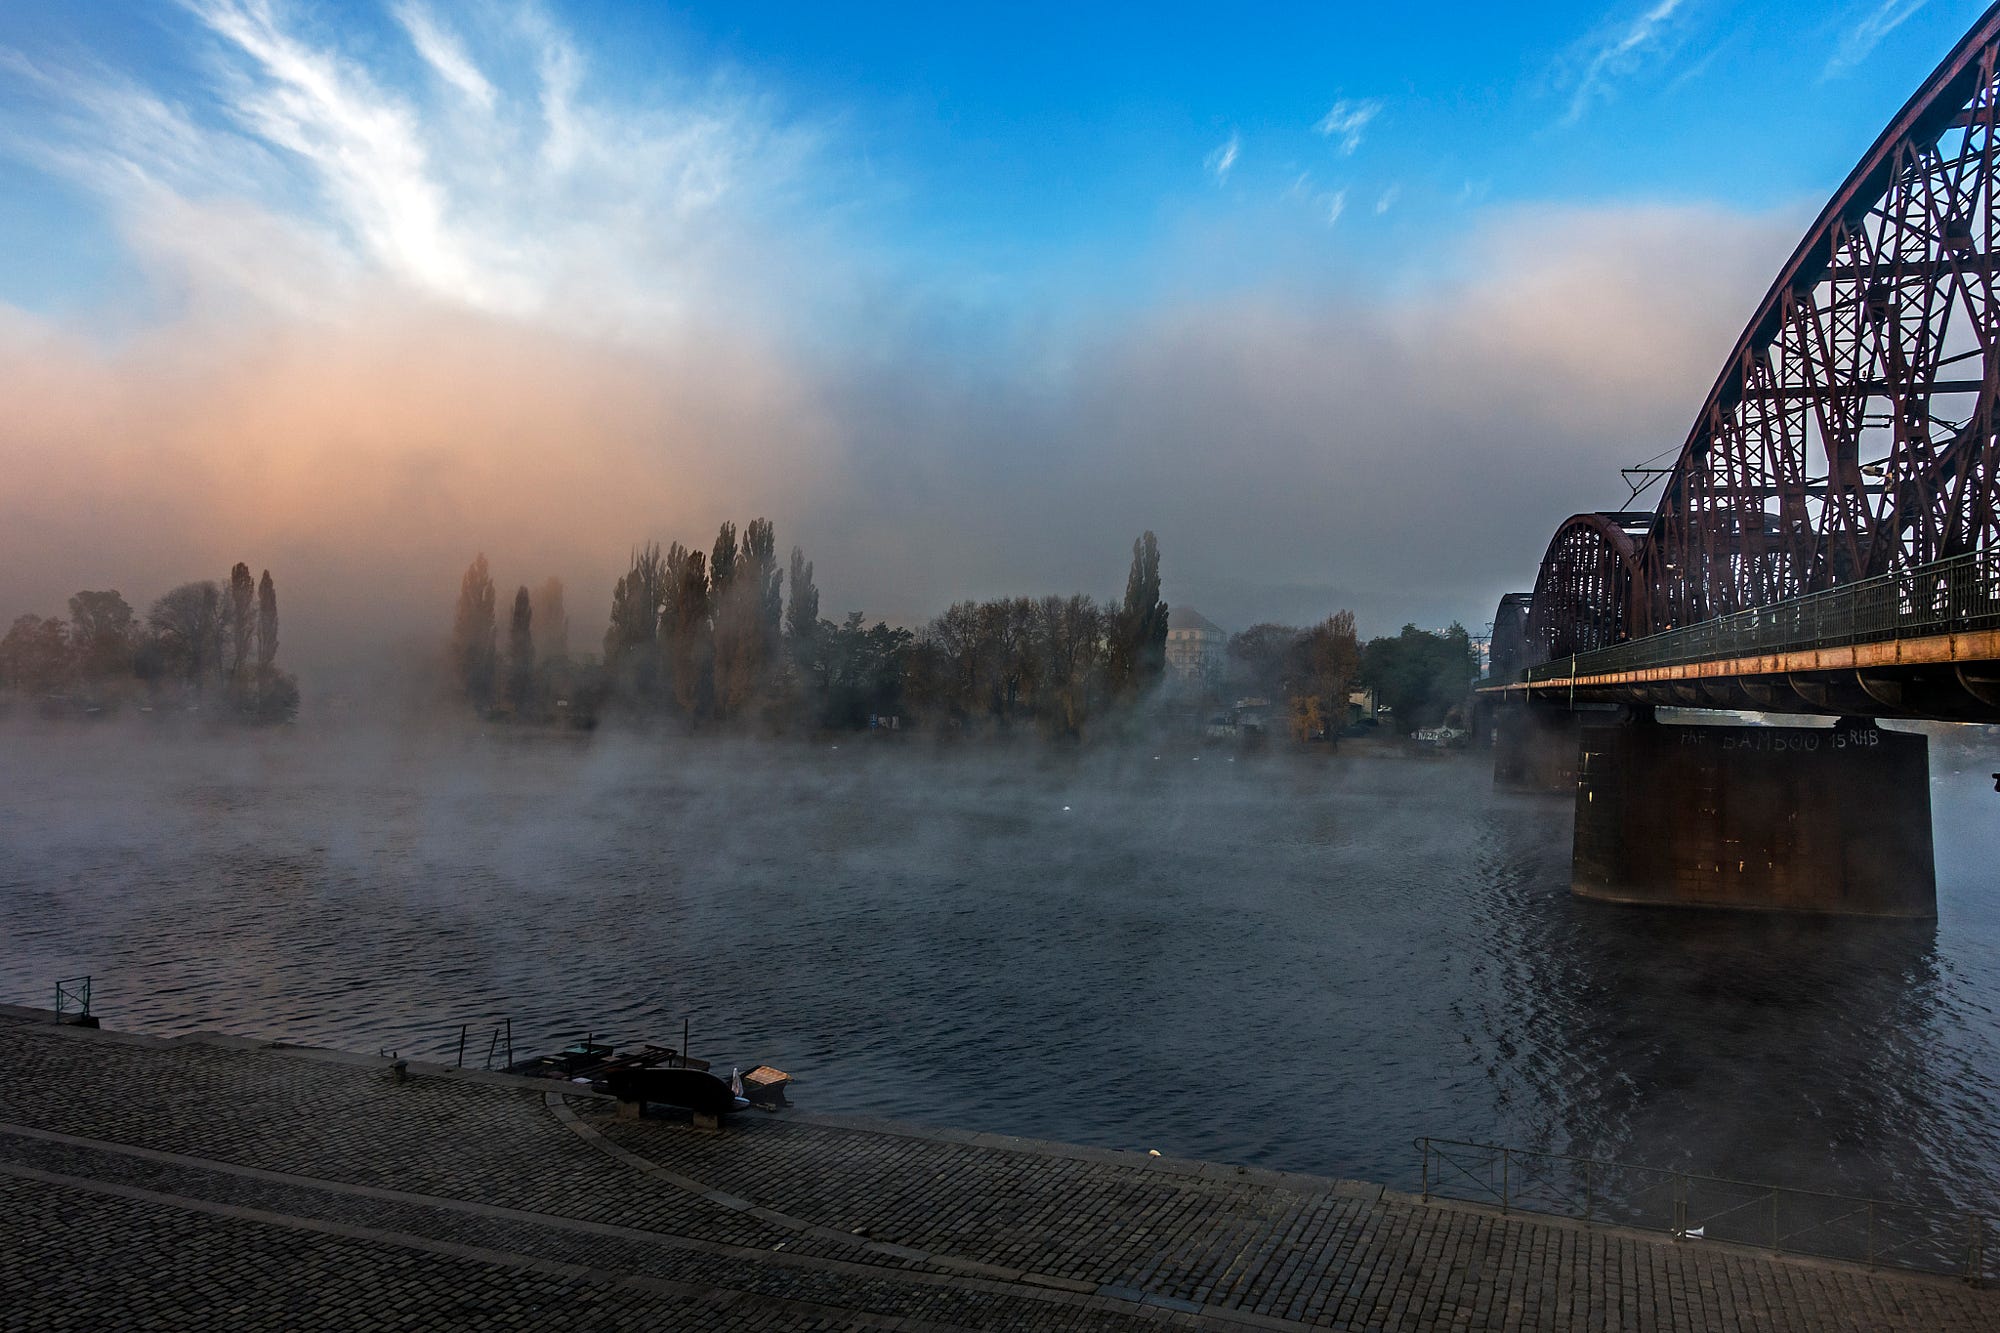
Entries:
{"x":399,"y":1070}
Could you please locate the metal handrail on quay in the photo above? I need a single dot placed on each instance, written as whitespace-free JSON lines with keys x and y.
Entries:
{"x":1688,"y":1206}
{"x":1954,"y":596}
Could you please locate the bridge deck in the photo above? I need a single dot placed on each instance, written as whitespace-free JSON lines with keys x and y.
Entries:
{"x":1981,"y":648}
{"x":1918,"y":643}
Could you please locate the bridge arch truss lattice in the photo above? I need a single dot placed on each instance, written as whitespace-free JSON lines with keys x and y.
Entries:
{"x":1851,"y":433}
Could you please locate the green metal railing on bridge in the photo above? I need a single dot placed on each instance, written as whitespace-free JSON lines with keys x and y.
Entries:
{"x":1877,"y":1232}
{"x":1952,"y":596}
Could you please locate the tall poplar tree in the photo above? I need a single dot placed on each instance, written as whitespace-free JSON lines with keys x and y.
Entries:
{"x":472,"y":635}
{"x":631,"y":642}
{"x":551,"y":621}
{"x":749,"y":614}
{"x":267,"y":627}
{"x":726,"y":617}
{"x":689,"y":634}
{"x":242,"y":628}
{"x":1138,"y":654}
{"x":521,"y":654}
{"x":802,"y":620}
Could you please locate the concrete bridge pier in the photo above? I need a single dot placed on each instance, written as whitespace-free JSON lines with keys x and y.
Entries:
{"x":1770,"y":818}
{"x":1534,"y":747}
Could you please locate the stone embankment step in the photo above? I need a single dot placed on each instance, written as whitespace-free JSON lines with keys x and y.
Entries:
{"x":214,"y":1182}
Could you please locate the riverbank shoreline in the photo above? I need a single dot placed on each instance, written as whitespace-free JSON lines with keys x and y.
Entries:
{"x":209,"y":1181}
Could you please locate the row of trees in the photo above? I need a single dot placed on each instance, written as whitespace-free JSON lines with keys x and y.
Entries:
{"x":711,"y":638}
{"x":1425,"y":677}
{"x":1420,"y":676}
{"x":1311,"y":671}
{"x":536,"y":671}
{"x":1053,"y":663}
{"x":205,"y":645}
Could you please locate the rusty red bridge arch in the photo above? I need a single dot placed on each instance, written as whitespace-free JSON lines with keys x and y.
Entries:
{"x":1828,"y":537}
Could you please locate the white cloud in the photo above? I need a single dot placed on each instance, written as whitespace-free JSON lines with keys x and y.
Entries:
{"x":443,"y":53}
{"x":1219,"y":162}
{"x":527,"y":196}
{"x":1618,"y":53}
{"x":365,"y":147}
{"x":1346,"y":120}
{"x":1387,"y":199}
{"x":1881,"y":19}
{"x":1335,"y":204}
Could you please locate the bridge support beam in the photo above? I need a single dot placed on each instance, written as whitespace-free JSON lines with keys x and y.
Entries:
{"x":1770,"y":818}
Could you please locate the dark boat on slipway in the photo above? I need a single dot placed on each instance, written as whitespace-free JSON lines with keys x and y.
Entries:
{"x":659,"y":1075}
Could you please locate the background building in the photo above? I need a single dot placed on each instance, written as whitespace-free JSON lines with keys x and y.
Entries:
{"x":1197,"y":648}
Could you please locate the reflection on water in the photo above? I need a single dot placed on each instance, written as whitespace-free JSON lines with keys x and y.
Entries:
{"x":1293,"y":963}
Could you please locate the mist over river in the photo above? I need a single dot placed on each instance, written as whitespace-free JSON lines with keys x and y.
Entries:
{"x":1293,"y":962}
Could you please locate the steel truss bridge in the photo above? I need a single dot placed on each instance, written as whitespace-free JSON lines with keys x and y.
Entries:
{"x":1828,"y":538}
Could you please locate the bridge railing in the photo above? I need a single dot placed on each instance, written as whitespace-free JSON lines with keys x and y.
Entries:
{"x":1877,"y":1232}
{"x":1958,"y":595}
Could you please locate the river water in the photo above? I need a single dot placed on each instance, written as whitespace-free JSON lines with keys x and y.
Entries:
{"x":1289,"y":962}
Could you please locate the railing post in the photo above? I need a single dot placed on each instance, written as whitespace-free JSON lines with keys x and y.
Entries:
{"x":1680,"y":1223}
{"x":461,"y":1044}
{"x":1586,"y":1189}
{"x":1774,"y":1223}
{"x":1504,"y":1157}
{"x":1871,"y":1233}
{"x":1424,"y":1146}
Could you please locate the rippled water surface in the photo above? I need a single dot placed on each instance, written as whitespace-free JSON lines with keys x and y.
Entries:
{"x":1288,"y":962}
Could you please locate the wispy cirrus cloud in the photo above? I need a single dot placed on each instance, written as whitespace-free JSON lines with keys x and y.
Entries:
{"x":526,"y":196}
{"x":1220,"y":162}
{"x":1347,"y":120}
{"x":1619,"y":51}
{"x":1861,"y":37}
{"x":443,"y":52}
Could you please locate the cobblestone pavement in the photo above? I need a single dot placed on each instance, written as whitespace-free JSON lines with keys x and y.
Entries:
{"x":216,"y":1183}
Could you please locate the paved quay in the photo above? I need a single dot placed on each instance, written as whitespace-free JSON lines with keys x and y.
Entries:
{"x":220,"y":1183}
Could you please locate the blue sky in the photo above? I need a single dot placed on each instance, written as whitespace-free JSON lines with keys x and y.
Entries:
{"x":977,"y":257}
{"x":1052,"y":147}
